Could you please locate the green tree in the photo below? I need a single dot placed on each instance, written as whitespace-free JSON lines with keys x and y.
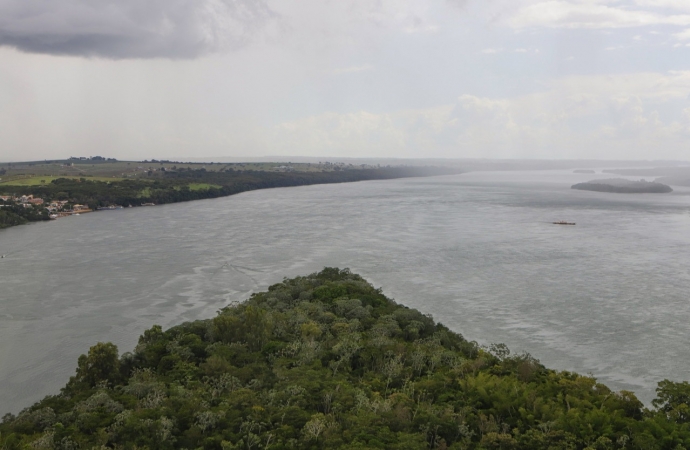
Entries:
{"x":674,"y":399}
{"x":101,"y":364}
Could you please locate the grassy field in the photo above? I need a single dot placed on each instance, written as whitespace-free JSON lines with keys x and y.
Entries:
{"x":202,"y":186}
{"x":33,"y":180}
{"x":135,"y":169}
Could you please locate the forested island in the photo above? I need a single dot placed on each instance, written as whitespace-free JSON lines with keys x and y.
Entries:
{"x":623,"y":186}
{"x":326,"y":361}
{"x":27,"y":196}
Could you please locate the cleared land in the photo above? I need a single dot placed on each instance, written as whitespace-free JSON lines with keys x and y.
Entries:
{"x":140,"y":169}
{"x":33,"y":180}
{"x":203,"y":186}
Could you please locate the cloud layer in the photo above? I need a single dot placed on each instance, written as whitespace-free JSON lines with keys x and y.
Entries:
{"x":583,"y":116}
{"x":600,"y":14}
{"x":190,"y":28}
{"x":442,"y":78}
{"x":130,"y":28}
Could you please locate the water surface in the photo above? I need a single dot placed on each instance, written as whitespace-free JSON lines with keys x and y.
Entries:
{"x":608,"y":296}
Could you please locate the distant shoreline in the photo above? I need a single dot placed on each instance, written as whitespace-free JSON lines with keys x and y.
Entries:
{"x":24,"y":203}
{"x":623,"y":186}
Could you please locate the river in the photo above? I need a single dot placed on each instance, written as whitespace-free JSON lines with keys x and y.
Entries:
{"x":609,"y":296}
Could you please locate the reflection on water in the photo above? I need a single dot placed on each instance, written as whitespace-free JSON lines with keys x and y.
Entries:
{"x":478,"y":251}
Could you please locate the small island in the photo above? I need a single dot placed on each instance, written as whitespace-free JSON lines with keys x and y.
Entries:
{"x":623,"y":186}
{"x":584,"y":171}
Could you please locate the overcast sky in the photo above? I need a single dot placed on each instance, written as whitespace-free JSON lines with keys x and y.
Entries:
{"x":141,"y":79}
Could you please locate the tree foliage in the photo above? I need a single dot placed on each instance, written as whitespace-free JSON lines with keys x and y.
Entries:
{"x":327,"y":361}
{"x":12,"y":214}
{"x":101,"y":365}
{"x":174,"y":186}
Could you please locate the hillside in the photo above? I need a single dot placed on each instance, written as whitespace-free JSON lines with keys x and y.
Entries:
{"x":327,"y":361}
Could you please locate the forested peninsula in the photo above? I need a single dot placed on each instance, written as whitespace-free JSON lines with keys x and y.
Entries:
{"x":29,"y":197}
{"x":623,"y":186}
{"x":326,"y":361}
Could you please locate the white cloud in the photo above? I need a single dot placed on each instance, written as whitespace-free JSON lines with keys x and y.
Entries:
{"x":681,"y":5}
{"x":191,"y":28}
{"x":353,"y":69}
{"x":589,"y":14}
{"x":616,"y":115}
{"x":683,"y":35}
{"x":580,"y":116}
{"x":348,"y":17}
{"x":307,"y":84}
{"x":526,"y":50}
{"x":402,"y":133}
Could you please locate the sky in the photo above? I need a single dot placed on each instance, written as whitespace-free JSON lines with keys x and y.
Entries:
{"x":175,"y":79}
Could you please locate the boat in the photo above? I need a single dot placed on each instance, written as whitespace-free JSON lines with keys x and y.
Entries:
{"x":109,"y":208}
{"x":563,"y":222}
{"x":148,"y":204}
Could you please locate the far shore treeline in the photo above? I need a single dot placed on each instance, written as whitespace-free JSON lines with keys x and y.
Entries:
{"x":180,"y":185}
{"x":326,"y":361}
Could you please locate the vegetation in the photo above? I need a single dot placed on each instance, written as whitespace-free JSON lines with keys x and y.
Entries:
{"x":623,"y":186}
{"x":202,"y":186}
{"x":12,"y":214}
{"x":106,"y":168}
{"x":31,"y":180}
{"x":328,"y":362}
{"x":178,"y":184}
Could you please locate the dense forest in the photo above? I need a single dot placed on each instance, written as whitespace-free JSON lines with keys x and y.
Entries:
{"x":185,"y":185}
{"x":326,"y":361}
{"x":174,"y":186}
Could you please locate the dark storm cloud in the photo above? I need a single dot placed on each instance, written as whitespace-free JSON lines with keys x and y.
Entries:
{"x":130,"y":28}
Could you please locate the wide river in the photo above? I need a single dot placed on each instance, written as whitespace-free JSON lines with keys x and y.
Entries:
{"x":609,"y":296}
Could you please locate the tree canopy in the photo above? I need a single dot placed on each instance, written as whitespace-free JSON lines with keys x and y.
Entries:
{"x":326,"y":361}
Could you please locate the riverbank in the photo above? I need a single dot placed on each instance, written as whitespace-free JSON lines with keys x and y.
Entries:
{"x":623,"y":186}
{"x":168,"y":185}
{"x":435,"y":244}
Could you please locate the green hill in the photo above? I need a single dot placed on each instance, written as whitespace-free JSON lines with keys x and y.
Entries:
{"x":327,"y":361}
